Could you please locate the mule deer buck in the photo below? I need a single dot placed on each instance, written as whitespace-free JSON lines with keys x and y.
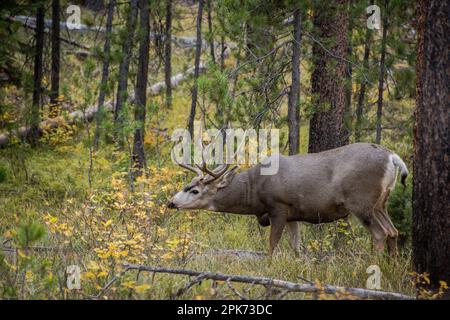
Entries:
{"x":315,"y":188}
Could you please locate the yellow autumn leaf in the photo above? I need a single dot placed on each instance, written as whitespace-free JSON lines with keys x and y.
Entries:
{"x":141,"y":288}
{"x":107,"y":223}
{"x":102,"y":274}
{"x":92,"y":265}
{"x":88,"y":275}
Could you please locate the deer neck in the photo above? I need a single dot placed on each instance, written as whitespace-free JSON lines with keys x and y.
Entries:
{"x":236,"y":197}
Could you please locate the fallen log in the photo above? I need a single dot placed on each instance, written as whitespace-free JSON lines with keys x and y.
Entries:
{"x":269,"y":282}
{"x":88,"y":114}
{"x":180,"y":41}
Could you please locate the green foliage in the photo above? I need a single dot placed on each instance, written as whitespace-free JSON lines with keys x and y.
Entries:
{"x":29,"y":232}
{"x":3,"y":172}
{"x":400,"y":210}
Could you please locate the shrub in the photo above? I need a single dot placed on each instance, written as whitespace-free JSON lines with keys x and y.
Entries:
{"x":3,"y":174}
{"x":400,"y":210}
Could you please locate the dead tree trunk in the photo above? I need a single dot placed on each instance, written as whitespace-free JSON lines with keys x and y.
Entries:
{"x":294,"y":93}
{"x":33,"y":134}
{"x":54,"y":94}
{"x":105,"y":72}
{"x":431,"y":218}
{"x":123,"y":72}
{"x":168,"y":53}
{"x":198,"y":51}
{"x":329,"y":52}
{"x":141,"y":88}
{"x":381,"y":75}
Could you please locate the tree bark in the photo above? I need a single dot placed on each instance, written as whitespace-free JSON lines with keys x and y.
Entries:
{"x":198,"y":51}
{"x":168,"y":53}
{"x":362,"y":88}
{"x":123,"y":72}
{"x":105,"y":72}
{"x":210,"y":30}
{"x":346,"y":130}
{"x":431,"y":207}
{"x":381,"y":75}
{"x":34,"y":133}
{"x":54,"y":94}
{"x":141,"y":89}
{"x":328,"y":86}
{"x":294,"y":93}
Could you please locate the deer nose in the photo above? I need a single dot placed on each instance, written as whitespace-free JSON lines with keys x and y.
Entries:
{"x":171,"y":205}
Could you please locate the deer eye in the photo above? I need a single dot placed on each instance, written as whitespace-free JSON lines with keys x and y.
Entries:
{"x":194,"y":191}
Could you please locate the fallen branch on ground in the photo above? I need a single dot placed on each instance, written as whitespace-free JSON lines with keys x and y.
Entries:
{"x":89,"y":113}
{"x":269,"y":282}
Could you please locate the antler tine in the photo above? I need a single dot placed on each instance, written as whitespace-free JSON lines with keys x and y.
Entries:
{"x":186,"y":166}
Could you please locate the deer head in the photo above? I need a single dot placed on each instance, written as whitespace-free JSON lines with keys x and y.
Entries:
{"x":200,"y":192}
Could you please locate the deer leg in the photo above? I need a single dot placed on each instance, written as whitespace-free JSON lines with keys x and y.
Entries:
{"x":292,"y":228}
{"x":374,"y":226}
{"x":393,"y":235}
{"x":392,"y":232}
{"x":277,"y":223}
{"x":264,"y":220}
{"x":392,"y":246}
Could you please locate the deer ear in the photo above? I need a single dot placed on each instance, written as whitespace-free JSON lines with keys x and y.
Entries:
{"x":227,"y":178}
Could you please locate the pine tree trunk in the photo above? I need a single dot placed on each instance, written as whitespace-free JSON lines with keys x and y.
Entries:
{"x":294,"y":93}
{"x":55,"y":58}
{"x":362,"y":89}
{"x":381,"y":76}
{"x":141,"y":88}
{"x":105,"y":72}
{"x":210,"y":30}
{"x":346,"y":130}
{"x":431,"y":193}
{"x":222,"y":53}
{"x":34,"y":133}
{"x":328,"y":85}
{"x":123,"y":72}
{"x":198,"y":51}
{"x":168,"y":54}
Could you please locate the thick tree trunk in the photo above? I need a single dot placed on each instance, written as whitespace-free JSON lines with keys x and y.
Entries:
{"x":328,"y":86}
{"x":168,"y":53}
{"x":211,"y":32}
{"x":362,"y":88}
{"x":431,"y":193}
{"x":381,"y":75}
{"x":141,"y":88}
{"x":294,"y":93}
{"x":34,"y":132}
{"x":105,"y":72}
{"x":123,"y":72}
{"x":198,"y":51}
{"x":54,"y":93}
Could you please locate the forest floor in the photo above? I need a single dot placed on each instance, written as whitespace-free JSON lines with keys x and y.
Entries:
{"x":102,"y":226}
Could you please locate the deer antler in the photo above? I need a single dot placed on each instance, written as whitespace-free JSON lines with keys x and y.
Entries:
{"x":185,"y":166}
{"x":203,"y":168}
